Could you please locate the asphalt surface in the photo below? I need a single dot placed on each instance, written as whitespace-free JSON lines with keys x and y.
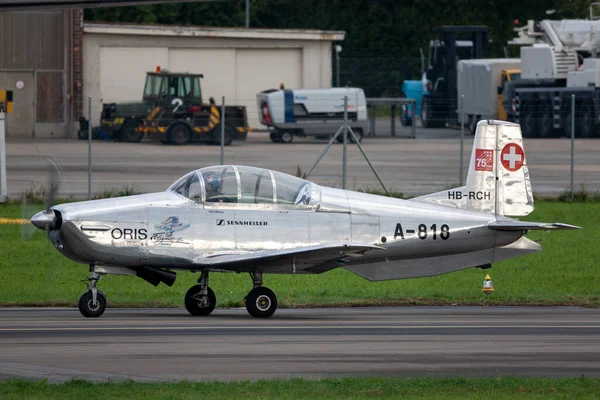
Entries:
{"x":427,"y":164}
{"x":170,"y":345}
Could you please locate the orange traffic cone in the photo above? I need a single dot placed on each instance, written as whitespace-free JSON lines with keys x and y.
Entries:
{"x":487,"y":288}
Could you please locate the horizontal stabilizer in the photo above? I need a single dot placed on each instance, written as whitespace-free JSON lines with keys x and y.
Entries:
{"x":511,"y":225}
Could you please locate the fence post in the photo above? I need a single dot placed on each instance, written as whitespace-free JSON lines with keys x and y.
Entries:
{"x":222,"y":130}
{"x":393,"y":119}
{"x":413,"y":126}
{"x":3,"y":187}
{"x":572,"y":146}
{"x":89,"y":147}
{"x":462,"y":137}
{"x":345,"y":142}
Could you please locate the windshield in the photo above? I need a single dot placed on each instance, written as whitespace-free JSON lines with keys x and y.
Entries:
{"x":153,"y":86}
{"x":244,"y":185}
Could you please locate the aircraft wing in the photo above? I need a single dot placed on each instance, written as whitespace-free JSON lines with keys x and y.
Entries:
{"x":512,"y":225}
{"x":287,"y":260}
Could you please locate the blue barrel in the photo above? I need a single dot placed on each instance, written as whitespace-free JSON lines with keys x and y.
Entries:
{"x":413,"y":90}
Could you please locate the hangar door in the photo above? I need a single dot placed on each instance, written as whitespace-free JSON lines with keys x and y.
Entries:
{"x":261,"y":69}
{"x":123,"y":71}
{"x":217,"y":66}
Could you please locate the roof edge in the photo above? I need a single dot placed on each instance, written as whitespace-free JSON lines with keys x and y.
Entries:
{"x":214,"y":32}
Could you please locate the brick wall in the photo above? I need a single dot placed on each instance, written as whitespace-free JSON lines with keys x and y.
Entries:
{"x":76,"y":61}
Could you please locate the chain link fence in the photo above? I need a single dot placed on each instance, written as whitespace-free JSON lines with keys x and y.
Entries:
{"x":140,"y":156}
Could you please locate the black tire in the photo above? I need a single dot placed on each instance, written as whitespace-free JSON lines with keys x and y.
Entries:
{"x":546,"y":125}
{"x":192,"y":304}
{"x":527,"y":128}
{"x":229,"y":134}
{"x":287,"y":137}
{"x":405,"y":120}
{"x":179,"y":135}
{"x":472,"y":124}
{"x":587,"y":127}
{"x":128,"y":131}
{"x":261,"y":302}
{"x":428,"y":116}
{"x":216,"y":135}
{"x":87,"y":309}
{"x":358,"y":132}
{"x":275,"y":136}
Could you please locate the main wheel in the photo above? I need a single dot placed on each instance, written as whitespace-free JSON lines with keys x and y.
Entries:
{"x":129,"y":131}
{"x":88,"y":309}
{"x":179,"y":135}
{"x":287,"y":137}
{"x":198,"y":305}
{"x":261,"y":302}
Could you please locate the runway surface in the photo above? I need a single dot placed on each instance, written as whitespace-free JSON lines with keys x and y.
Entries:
{"x":170,"y":345}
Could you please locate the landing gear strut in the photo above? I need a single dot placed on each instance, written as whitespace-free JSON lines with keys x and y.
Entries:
{"x":261,"y":302}
{"x":200,"y":300}
{"x":93,"y":302}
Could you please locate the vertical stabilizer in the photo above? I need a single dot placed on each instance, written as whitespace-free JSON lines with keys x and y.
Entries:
{"x":498,"y":178}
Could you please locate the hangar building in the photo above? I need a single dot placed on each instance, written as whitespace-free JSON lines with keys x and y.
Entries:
{"x":53,"y":61}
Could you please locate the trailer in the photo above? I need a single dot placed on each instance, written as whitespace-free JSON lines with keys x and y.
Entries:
{"x":311,"y":112}
{"x":481,"y":85}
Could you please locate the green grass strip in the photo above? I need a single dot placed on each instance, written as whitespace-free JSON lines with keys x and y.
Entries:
{"x":349,"y":388}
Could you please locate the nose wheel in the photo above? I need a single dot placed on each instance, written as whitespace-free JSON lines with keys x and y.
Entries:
{"x":200,"y":300}
{"x":261,"y":302}
{"x":93,"y":302}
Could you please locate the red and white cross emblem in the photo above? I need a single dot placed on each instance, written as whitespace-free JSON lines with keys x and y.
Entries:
{"x":512,"y":157}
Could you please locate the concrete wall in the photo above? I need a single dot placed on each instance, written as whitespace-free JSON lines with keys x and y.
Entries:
{"x":235,"y":67}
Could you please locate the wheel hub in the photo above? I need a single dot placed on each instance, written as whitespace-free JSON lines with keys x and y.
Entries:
{"x":263,"y":302}
{"x":93,"y":307}
{"x":202,"y":301}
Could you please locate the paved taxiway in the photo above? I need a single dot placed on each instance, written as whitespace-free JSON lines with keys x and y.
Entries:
{"x":169,"y":345}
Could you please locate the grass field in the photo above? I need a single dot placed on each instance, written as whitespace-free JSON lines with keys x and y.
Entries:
{"x":566,"y":272}
{"x":355,"y":388}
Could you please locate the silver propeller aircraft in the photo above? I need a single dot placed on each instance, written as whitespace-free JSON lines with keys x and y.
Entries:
{"x":245,"y":219}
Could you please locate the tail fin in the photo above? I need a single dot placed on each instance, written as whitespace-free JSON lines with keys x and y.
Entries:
{"x":498,"y":173}
{"x":498,"y":178}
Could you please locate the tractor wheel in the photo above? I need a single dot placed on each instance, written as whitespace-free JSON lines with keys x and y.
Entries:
{"x":129,"y":131}
{"x":179,"y":135}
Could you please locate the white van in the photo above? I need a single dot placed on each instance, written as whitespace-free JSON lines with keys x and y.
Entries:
{"x":311,"y":112}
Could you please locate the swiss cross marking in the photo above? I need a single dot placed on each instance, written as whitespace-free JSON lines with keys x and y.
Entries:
{"x":512,"y":157}
{"x":484,"y":160}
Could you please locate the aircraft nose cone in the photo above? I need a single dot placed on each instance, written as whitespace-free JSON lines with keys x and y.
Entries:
{"x":45,"y":220}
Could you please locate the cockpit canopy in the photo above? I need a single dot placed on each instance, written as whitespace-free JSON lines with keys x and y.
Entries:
{"x":230,"y":184}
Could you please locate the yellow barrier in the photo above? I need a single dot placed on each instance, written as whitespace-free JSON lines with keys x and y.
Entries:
{"x":6,"y":101}
{"x":13,"y":221}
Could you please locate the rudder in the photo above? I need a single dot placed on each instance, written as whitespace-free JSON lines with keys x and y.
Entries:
{"x":498,"y":178}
